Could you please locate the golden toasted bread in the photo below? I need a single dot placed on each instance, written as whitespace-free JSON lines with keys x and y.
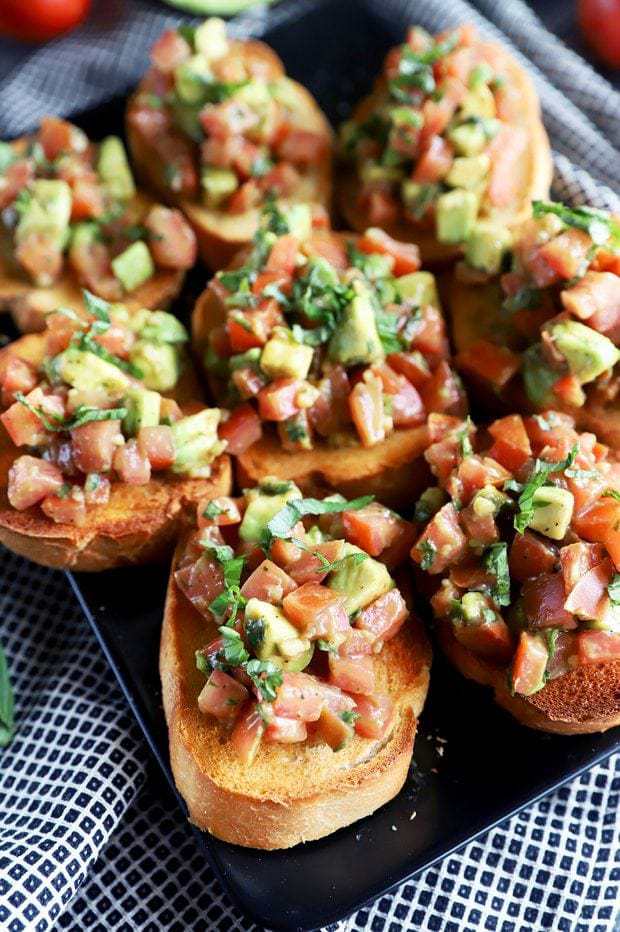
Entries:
{"x":289,"y":794}
{"x":535,"y":167}
{"x":139,"y":524}
{"x":584,"y":700}
{"x":28,"y":304}
{"x":221,"y":234}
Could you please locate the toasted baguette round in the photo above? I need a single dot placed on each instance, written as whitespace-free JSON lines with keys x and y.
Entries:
{"x":28,"y":304}
{"x":582,"y":701}
{"x":221,"y":234}
{"x":536,"y":168}
{"x":475,"y":314}
{"x":289,"y":794}
{"x":393,"y":470}
{"x":139,"y":524}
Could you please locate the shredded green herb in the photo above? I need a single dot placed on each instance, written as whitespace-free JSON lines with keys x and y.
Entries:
{"x":539,"y":478}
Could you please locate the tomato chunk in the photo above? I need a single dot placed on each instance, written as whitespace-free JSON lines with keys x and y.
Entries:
{"x":278,"y":400}
{"x":246,"y":736}
{"x":376,"y":716}
{"x":511,"y":445}
{"x":367,"y":411}
{"x":285,"y":730}
{"x":442,"y":542}
{"x":157,"y":444}
{"x":242,"y":429}
{"x":530,"y":555}
{"x":70,"y":509}
{"x":268,"y":582}
{"x":172,"y":241}
{"x":384,"y":617}
{"x":543,"y":602}
{"x":576,"y":559}
{"x":595,"y":299}
{"x":598,"y":647}
{"x":303,"y":696}
{"x":305,"y":567}
{"x":353,"y":674}
{"x":318,"y":612}
{"x":406,"y":256}
{"x":31,"y":480}
{"x":222,"y":696}
{"x":131,"y":464}
{"x":373,"y":528}
{"x":530,"y":664}
{"x":95,"y":444}
{"x":588,"y":597}
{"x":283,"y":255}
{"x":201,"y":581}
{"x":490,"y":639}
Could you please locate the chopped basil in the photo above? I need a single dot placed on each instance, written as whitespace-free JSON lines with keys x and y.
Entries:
{"x":428,"y":554}
{"x":234,"y":652}
{"x":96,"y":306}
{"x":496,"y":563}
{"x":266,"y":676}
{"x":255,"y":632}
{"x":83,"y":414}
{"x":213,"y":510}
{"x":349,"y":717}
{"x":600,"y":227}
{"x":539,"y":478}
{"x":87,"y":344}
{"x":285,"y":520}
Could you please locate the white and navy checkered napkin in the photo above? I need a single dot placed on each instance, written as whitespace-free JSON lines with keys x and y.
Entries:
{"x":85,"y":840}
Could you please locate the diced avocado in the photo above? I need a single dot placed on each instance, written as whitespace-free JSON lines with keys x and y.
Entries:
{"x":210,"y":39}
{"x":315,"y":535}
{"x":417,"y":197}
{"x":299,"y":220}
{"x":284,"y":357}
{"x":196,"y":443}
{"x":258,"y":95}
{"x":481,"y":74}
{"x":263,"y":504}
{"x":161,"y":327}
{"x":114,"y":171}
{"x":158,"y":363}
{"x":419,"y":287}
{"x":361,"y":582}
{"x":468,"y":138}
{"x":217,"y":185}
{"x":250,"y":358}
{"x":372,"y":172}
{"x":553,"y":510}
{"x":86,"y":371}
{"x":134,"y":266}
{"x":478,"y":102}
{"x":191,"y":78}
{"x":455,"y":215}
{"x":405,"y":116}
{"x":429,"y":503}
{"x":377,"y":266}
{"x":357,"y":341}
{"x":587,"y":352}
{"x":468,"y":171}
{"x":538,"y":377}
{"x":474,"y":605}
{"x":486,"y":245}
{"x":275,"y":637}
{"x":143,"y":408}
{"x":48,"y":211}
{"x":488,"y":501}
{"x":7,"y":155}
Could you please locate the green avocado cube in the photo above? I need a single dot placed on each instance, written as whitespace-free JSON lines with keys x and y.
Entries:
{"x":486,"y":246}
{"x":361,"y":583}
{"x":217,"y":185}
{"x":587,"y":352}
{"x":134,"y":266}
{"x":196,"y":443}
{"x":357,"y":341}
{"x":143,"y":410}
{"x":456,"y":212}
{"x":158,"y":363}
{"x":114,"y":171}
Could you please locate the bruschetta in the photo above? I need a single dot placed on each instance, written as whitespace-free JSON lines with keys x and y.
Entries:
{"x":451,"y":136}
{"x":71,"y":218}
{"x":331,"y":350}
{"x":521,"y":539}
{"x":105,"y":446}
{"x":293,"y":672}
{"x":215,"y":126}
{"x":546,"y":332}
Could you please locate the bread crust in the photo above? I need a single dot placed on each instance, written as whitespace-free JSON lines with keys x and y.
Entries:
{"x":221,"y":234}
{"x":28,"y":304}
{"x":289,"y":794}
{"x":582,"y":701}
{"x":537,"y":167}
{"x":138,"y":525}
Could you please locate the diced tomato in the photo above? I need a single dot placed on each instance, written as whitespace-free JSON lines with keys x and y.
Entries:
{"x":598,"y":647}
{"x":587,"y":595}
{"x":442,"y":542}
{"x":435,"y":162}
{"x":201,"y":581}
{"x":16,"y":375}
{"x":601,"y":524}
{"x":68,"y":509}
{"x":282,"y":180}
{"x":376,"y":716}
{"x":490,"y":363}
{"x":595,"y":298}
{"x":373,"y":528}
{"x":31,"y":480}
{"x":472,"y":474}
{"x":543,"y":602}
{"x":283,"y":255}
{"x":379,"y":206}
{"x":241,"y":333}
{"x":407,"y":409}
{"x":242,"y":429}
{"x":317,"y":611}
{"x":278,"y":400}
{"x":437,"y":114}
{"x":23,"y":426}
{"x":40,"y":256}
{"x":406,"y":256}
{"x":506,"y":151}
{"x":302,"y":566}
{"x":576,"y":560}
{"x":222,"y":696}
{"x":131,"y":464}
{"x":367,"y":410}
{"x":541,"y":434}
{"x":58,"y":136}
{"x":16,"y":177}
{"x":330,"y":412}
{"x":303,"y":147}
{"x":331,"y":729}
{"x":479,"y":528}
{"x":353,"y":674}
{"x":268,"y":582}
{"x":92,"y":264}
{"x":530,"y":664}
{"x":246,"y":736}
{"x":511,"y":445}
{"x":531,"y":555}
{"x":95,"y":444}
{"x":564,"y":254}
{"x":384,"y":617}
{"x":157,"y":445}
{"x":166,"y":147}
{"x":327,"y":245}
{"x":443,"y":391}
{"x":169,"y":51}
{"x":564,"y":657}
{"x":172,"y":242}
{"x":303,"y":697}
{"x":412,"y":365}
{"x":489,"y":639}
{"x":569,"y":392}
{"x":470,"y":574}
{"x":285,"y":730}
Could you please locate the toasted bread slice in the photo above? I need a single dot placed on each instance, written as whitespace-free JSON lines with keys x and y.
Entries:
{"x":535,"y":168}
{"x":28,"y":304}
{"x":139,"y":524}
{"x":221,"y":234}
{"x":582,"y":701}
{"x":289,"y":794}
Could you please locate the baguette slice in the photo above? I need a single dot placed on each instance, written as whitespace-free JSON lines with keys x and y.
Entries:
{"x":288,"y":794}
{"x":139,"y":524}
{"x":583,"y":701}
{"x":221,"y":234}
{"x":28,"y":304}
{"x":536,"y":169}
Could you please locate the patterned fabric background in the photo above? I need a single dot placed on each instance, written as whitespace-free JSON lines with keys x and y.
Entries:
{"x":89,"y":836}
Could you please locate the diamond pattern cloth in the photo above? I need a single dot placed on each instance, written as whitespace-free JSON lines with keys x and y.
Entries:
{"x":89,"y":837}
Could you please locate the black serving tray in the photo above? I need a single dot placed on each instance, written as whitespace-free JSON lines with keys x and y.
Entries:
{"x":485,"y":767}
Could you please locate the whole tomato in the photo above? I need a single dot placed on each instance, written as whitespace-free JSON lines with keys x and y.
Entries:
{"x":600,"y":23}
{"x":39,"y":20}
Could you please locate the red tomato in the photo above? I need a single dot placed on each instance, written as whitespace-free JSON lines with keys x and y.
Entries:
{"x":376,"y":715}
{"x":228,"y":511}
{"x":283,"y":255}
{"x":302,"y":147}
{"x":406,"y":256}
{"x":40,"y":256}
{"x":23,"y":426}
{"x":407,"y":408}
{"x":172,"y":241}
{"x":353,"y":674}
{"x":14,"y":178}
{"x":157,"y":444}
{"x":511,"y":445}
{"x":367,"y":412}
{"x":303,"y":697}
{"x":543,"y":602}
{"x":489,"y":363}
{"x":285,"y":730}
{"x":564,"y":254}
{"x":328,"y":246}
{"x":305,"y":567}
{"x":442,"y":542}
{"x":380,"y":207}
{"x":599,"y":21}
{"x":595,"y":299}
{"x":40,"y":20}
{"x":68,"y":510}
{"x":16,"y":375}
{"x":530,"y":555}
{"x":241,"y":430}
{"x":268,"y":583}
{"x":587,"y":598}
{"x":95,"y":444}
{"x":97,"y":492}
{"x":131,"y":464}
{"x":92,"y":263}
{"x":31,"y":480}
{"x":169,"y":51}
{"x":222,"y":696}
{"x":87,"y":199}
{"x":384,"y":617}
{"x":576,"y":560}
{"x":490,"y":639}
{"x":443,"y":391}
{"x":372,"y":528}
{"x":435,"y":163}
{"x":530,"y":664}
{"x":201,"y":582}
{"x":598,"y":646}
{"x":317,"y":611}
{"x":506,"y":151}
{"x":278,"y":400}
{"x":247,"y":733}
{"x":330,"y":412}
